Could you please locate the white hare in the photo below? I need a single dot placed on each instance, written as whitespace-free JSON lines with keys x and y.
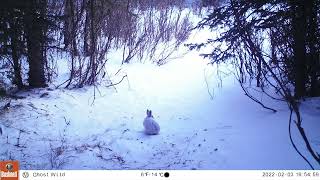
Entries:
{"x":151,"y":127}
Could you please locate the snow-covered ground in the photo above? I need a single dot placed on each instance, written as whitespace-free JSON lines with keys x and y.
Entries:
{"x":72,"y":129}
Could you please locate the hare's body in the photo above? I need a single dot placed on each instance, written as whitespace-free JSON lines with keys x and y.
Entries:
{"x":151,"y":127}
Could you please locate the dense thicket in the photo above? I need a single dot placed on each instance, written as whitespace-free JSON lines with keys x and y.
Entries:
{"x":272,"y":45}
{"x":85,"y":30}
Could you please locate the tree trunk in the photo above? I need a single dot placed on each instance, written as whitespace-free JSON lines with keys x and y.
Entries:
{"x":93,"y":46}
{"x":69,"y":31}
{"x":87,"y":25}
{"x":35,"y":41}
{"x":67,"y":24}
{"x":15,"y":53}
{"x":299,"y":47}
{"x":313,"y":60}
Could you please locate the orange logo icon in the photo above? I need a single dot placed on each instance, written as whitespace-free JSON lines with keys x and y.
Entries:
{"x":9,"y":170}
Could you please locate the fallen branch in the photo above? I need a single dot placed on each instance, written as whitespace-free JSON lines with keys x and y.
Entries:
{"x":293,"y":144}
{"x":207,"y":84}
{"x":114,"y":84}
{"x":254,"y":99}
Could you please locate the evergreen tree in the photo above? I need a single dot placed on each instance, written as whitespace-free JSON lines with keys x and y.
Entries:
{"x":291,"y":28}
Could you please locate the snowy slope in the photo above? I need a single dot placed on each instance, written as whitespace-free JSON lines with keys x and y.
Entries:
{"x":69,"y":129}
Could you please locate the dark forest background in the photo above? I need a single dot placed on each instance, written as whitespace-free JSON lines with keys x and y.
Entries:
{"x":85,"y":30}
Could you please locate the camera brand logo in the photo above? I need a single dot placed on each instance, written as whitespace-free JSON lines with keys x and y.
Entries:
{"x":9,"y":170}
{"x":25,"y":174}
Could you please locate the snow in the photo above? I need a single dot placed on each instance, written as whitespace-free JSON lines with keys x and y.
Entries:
{"x":72,"y":129}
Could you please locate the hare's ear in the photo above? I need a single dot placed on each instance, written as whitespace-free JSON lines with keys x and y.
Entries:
{"x":150,"y":112}
{"x":147,"y":111}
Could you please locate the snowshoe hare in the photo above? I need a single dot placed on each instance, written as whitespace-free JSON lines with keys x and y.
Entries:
{"x":151,"y":127}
